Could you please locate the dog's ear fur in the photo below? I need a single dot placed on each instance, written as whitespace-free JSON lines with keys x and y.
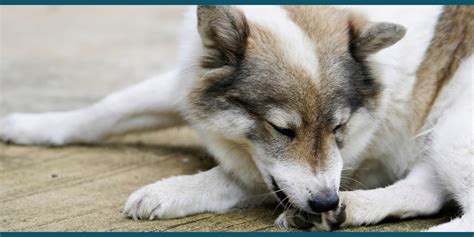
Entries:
{"x":224,"y":31}
{"x":369,"y":37}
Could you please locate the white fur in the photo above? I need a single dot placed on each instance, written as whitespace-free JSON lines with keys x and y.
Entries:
{"x":150,"y":104}
{"x":296,"y":46}
{"x":210,"y":191}
{"x":425,"y":176}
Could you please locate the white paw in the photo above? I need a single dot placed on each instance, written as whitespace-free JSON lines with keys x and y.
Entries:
{"x":160,"y":200}
{"x":32,"y":129}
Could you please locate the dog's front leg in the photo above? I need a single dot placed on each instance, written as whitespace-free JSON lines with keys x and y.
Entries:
{"x":416,"y":195}
{"x":210,"y":191}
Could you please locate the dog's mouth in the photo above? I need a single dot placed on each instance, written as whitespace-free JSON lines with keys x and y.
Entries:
{"x":284,"y":199}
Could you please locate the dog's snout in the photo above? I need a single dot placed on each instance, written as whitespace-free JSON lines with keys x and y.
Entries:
{"x":324,"y":202}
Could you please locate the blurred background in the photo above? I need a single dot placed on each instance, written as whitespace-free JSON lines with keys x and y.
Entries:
{"x":65,"y":57}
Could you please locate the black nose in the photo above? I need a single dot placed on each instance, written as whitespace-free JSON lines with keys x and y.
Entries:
{"x":324,"y":202}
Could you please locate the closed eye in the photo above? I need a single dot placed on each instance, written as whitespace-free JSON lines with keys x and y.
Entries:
{"x":284,"y":131}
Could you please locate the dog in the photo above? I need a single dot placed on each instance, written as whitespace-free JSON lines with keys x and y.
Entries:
{"x":343,"y":115}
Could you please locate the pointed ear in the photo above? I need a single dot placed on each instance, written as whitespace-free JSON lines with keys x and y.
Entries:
{"x":224,"y":31}
{"x":373,"y":37}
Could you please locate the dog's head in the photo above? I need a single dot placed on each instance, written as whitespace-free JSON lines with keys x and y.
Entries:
{"x":294,"y":85}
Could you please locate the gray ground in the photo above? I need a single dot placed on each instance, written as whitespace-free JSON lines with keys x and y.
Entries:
{"x":58,"y":58}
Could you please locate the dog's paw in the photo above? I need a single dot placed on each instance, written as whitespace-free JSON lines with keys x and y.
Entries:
{"x":154,"y":201}
{"x":32,"y":129}
{"x":27,"y":129}
{"x":293,"y":218}
{"x":313,"y":222}
{"x":331,"y":220}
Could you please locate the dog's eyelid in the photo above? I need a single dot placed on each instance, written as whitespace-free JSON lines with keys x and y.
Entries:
{"x":337,"y":128}
{"x":341,"y":120}
{"x":283,"y":118}
{"x":280,"y":124}
{"x":284,"y":131}
{"x":341,"y":124}
{"x":280,"y":127}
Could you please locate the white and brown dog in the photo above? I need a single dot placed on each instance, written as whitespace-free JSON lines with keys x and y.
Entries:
{"x":295,"y":100}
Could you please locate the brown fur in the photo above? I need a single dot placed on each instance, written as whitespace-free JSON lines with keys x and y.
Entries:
{"x":314,"y":137}
{"x":453,"y":41}
{"x":331,"y":40}
{"x":328,"y":26}
{"x":343,"y":36}
{"x":335,"y":29}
